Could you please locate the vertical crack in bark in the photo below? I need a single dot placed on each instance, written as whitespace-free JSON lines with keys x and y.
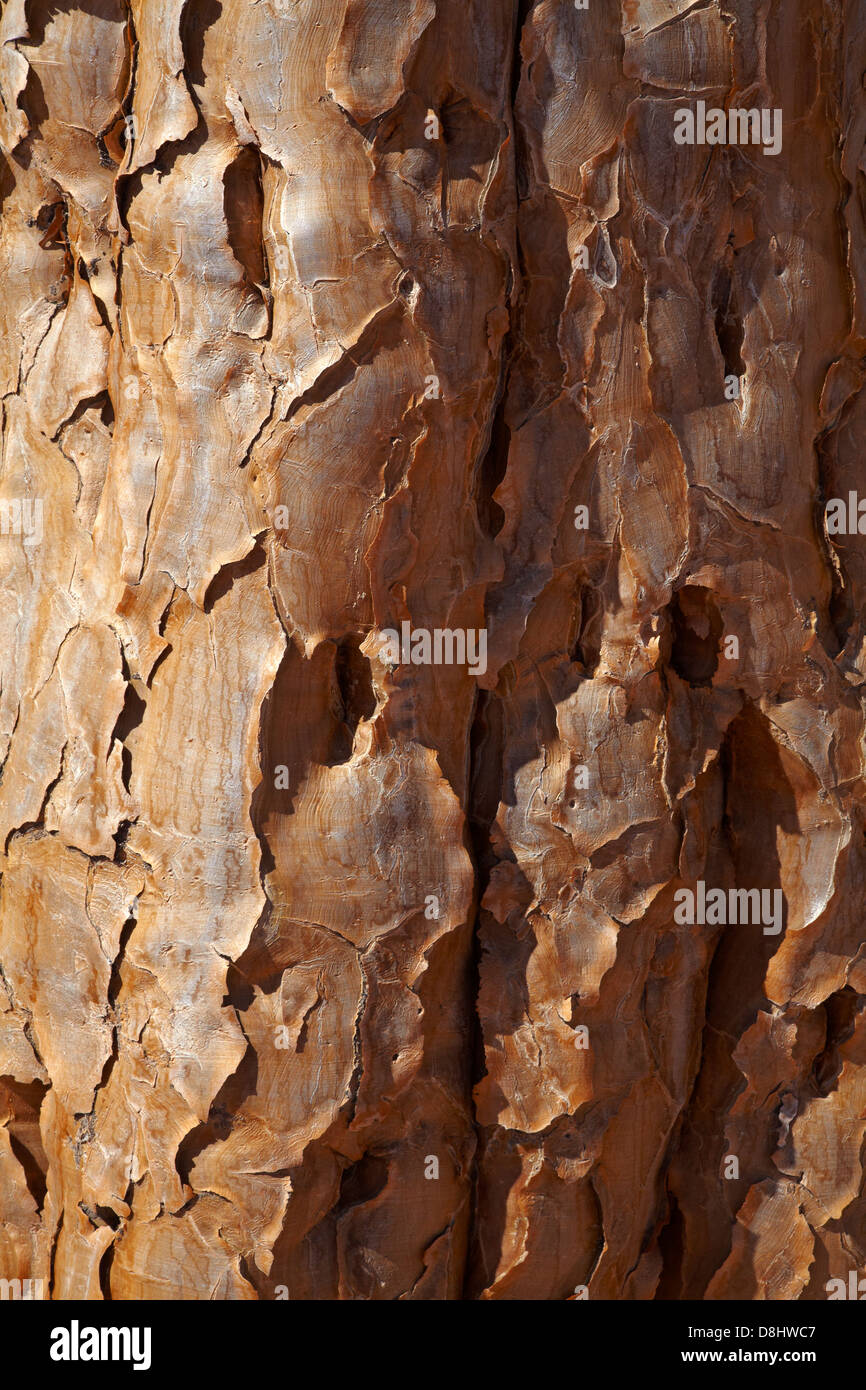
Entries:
{"x":485,"y":745}
{"x":485,"y":762}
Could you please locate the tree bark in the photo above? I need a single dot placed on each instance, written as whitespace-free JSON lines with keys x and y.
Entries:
{"x":327,"y":972}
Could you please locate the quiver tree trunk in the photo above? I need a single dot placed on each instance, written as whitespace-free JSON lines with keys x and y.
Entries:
{"x":333,"y":974}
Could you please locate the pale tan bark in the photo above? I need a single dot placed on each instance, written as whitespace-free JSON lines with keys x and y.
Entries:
{"x":299,"y":344}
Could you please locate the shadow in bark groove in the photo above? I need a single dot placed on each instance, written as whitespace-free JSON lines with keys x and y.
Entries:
{"x":758,"y":802}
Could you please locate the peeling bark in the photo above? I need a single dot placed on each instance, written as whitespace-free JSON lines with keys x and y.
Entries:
{"x":327,"y":973}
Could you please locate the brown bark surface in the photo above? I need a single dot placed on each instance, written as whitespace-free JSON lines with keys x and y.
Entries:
{"x":323,"y":316}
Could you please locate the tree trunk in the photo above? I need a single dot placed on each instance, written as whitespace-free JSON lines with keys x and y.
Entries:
{"x":432,"y":660}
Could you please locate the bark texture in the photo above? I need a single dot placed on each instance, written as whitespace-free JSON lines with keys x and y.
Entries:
{"x":323,"y":316}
